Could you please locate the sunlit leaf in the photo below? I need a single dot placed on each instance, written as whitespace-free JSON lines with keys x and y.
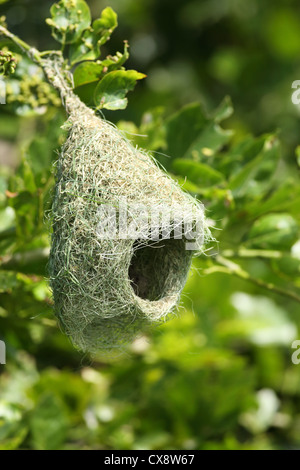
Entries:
{"x":254,"y":177}
{"x":198,"y":173}
{"x":111,"y":92}
{"x":183,"y":128}
{"x":105,"y":25}
{"x":69,"y":19}
{"x":274,"y":231}
{"x":87,"y":72}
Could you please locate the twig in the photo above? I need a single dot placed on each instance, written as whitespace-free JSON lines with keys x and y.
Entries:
{"x":30,"y":51}
{"x":19,"y":260}
{"x":56,"y":72}
{"x":249,"y":253}
{"x":229,"y":267}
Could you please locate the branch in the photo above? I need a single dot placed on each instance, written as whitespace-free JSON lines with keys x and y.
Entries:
{"x":247,"y":253}
{"x":18,"y":261}
{"x":56,"y":73}
{"x":32,"y":53}
{"x":229,"y":267}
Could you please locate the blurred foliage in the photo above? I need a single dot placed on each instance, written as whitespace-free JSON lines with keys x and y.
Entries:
{"x":7,"y":62}
{"x":219,"y":375}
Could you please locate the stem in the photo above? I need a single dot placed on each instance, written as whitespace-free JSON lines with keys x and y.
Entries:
{"x":229,"y":267}
{"x":30,"y":51}
{"x":18,"y":261}
{"x":56,"y":73}
{"x":246,"y":253}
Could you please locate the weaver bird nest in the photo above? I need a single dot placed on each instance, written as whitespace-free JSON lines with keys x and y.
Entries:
{"x":108,"y":282}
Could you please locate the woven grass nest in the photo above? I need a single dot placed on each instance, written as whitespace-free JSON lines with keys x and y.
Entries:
{"x":107,"y":290}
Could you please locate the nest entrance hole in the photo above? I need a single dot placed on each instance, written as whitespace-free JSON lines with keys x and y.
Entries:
{"x":158,"y":269}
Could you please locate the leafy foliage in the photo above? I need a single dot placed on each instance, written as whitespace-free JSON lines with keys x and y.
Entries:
{"x":111,"y":90}
{"x":100,"y":83}
{"x":69,"y":19}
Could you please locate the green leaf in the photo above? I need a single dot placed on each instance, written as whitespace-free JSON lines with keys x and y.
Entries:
{"x":69,"y":19}
{"x":86,"y":92}
{"x":116,"y":61}
{"x":280,"y":200}
{"x":254,"y":178}
{"x":48,"y":423}
{"x":87,"y":72}
{"x":198,"y":173}
{"x":224,"y":110}
{"x":274,"y":231}
{"x":105,"y":25}
{"x":183,"y":128}
{"x":211,"y":140}
{"x":88,"y":45}
{"x":84,"y":49}
{"x":288,"y":266}
{"x":190,"y":133}
{"x":242,"y":152}
{"x":111,"y":91}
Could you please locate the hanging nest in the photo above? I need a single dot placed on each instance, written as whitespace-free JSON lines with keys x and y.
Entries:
{"x":107,"y":289}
